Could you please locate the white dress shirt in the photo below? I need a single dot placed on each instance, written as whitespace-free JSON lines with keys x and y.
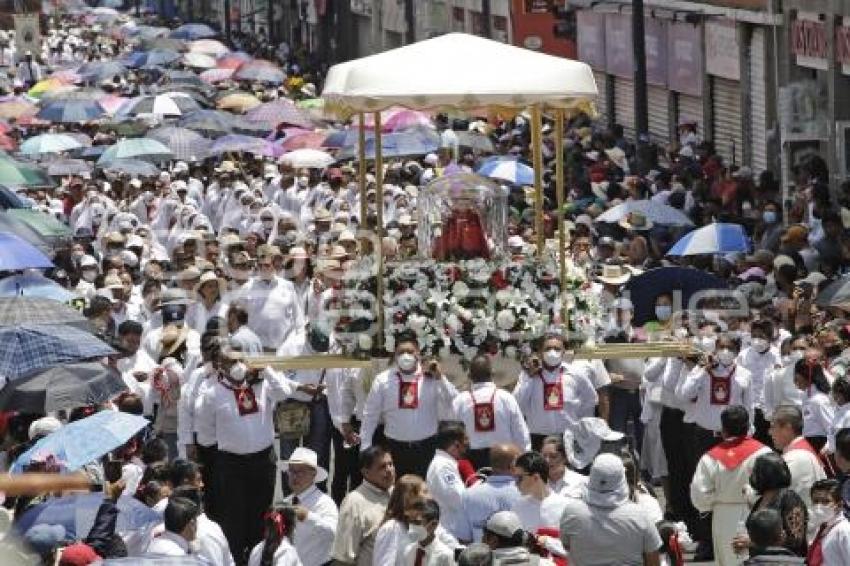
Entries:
{"x":836,"y":544}
{"x":168,"y":544}
{"x":760,"y":365}
{"x":405,"y":425}
{"x":509,"y":425}
{"x":698,"y":386}
{"x":579,"y":398}
{"x":189,"y":405}
{"x":818,"y":413}
{"x":346,"y":394}
{"x":446,"y":487}
{"x":212,"y":544}
{"x":273,"y":310}
{"x":436,"y":554}
{"x":285,"y":555}
{"x":390,"y":541}
{"x":572,"y":484}
{"x":247,"y":340}
{"x":314,"y":536}
{"x":841,"y":419}
{"x":535,"y":514}
{"x":805,"y":469}
{"x":243,"y":434}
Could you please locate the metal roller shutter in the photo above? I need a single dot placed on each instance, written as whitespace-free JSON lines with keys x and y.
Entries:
{"x":690,"y":109}
{"x":758,"y":101}
{"x":602,"y":100}
{"x":728,"y":131}
{"x":624,"y":105}
{"x":659,"y":114}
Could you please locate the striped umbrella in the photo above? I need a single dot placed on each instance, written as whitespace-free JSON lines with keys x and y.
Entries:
{"x":210,"y":123}
{"x":16,"y":173}
{"x":145,"y":149}
{"x":394,"y":119}
{"x":655,"y":211}
{"x":216,"y":75}
{"x":49,"y":143}
{"x":71,"y":111}
{"x":186,"y":144}
{"x":280,"y":111}
{"x":161,"y":105}
{"x":236,"y":143}
{"x":260,"y":71}
{"x":507,"y":169}
{"x":715,"y":238}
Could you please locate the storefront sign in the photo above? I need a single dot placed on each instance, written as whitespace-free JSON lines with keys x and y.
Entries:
{"x":808,"y":41}
{"x":27,"y":34}
{"x":591,"y":38}
{"x":722,"y":51}
{"x":684,"y":55}
{"x":656,"y":52}
{"x":619,"y":51}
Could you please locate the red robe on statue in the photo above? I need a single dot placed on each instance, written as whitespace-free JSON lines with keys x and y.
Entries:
{"x":462,"y":238}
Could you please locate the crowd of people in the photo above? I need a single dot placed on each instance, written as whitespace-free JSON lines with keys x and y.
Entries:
{"x":739,"y":446}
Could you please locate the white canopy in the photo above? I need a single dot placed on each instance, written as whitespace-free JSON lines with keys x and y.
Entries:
{"x":461,"y":71}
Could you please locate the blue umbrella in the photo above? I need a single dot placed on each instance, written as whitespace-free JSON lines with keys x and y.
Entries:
{"x":193,"y":31}
{"x":16,"y":253}
{"x":150,"y":58}
{"x":398,"y":144}
{"x":97,"y":71}
{"x":507,"y":169}
{"x":679,"y":281}
{"x":71,"y":111}
{"x":84,"y":441}
{"x":239,"y":143}
{"x":77,"y":512}
{"x":716,"y":238}
{"x":656,"y":212}
{"x":28,"y":347}
{"x":187,"y":145}
{"x":34,"y":285}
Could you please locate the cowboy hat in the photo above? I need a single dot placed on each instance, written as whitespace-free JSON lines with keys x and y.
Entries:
{"x":614,"y":274}
{"x":173,"y":336}
{"x":636,"y":221}
{"x":306,"y":457}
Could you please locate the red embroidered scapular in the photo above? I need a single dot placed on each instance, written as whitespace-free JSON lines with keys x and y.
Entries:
{"x":803,"y":444}
{"x":721,"y":388}
{"x":484,"y":413}
{"x":731,"y":453}
{"x":246,"y":399}
{"x":408,"y":393}
{"x":553,"y":393}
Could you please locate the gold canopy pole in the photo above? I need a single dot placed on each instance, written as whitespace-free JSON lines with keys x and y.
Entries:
{"x":537,"y":162}
{"x":379,"y":228}
{"x":559,"y":189}
{"x":361,"y":167}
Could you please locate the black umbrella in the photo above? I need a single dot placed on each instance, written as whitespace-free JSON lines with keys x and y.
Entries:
{"x":62,"y":387}
{"x":644,"y":288}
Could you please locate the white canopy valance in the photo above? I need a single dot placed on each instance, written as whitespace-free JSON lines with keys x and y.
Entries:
{"x":459,"y":70}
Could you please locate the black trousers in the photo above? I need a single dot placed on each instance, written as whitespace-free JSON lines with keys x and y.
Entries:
{"x":346,"y":465}
{"x":762,"y":429}
{"x":412,"y":457}
{"x":480,"y":457}
{"x":206,"y":458}
{"x":246,"y":489}
{"x":704,"y":440}
{"x":676,"y":443}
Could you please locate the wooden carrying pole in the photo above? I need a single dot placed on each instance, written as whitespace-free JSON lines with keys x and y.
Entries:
{"x":379,"y":228}
{"x":537,"y":163}
{"x":361,"y":168}
{"x":559,"y":189}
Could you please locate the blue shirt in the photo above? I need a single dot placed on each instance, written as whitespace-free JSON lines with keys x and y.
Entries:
{"x":497,"y":493}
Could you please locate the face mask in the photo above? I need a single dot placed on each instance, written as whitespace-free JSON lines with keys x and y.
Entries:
{"x":769,"y":216}
{"x":407,"y":361}
{"x":663,"y":312}
{"x":238,"y":371}
{"x":89,"y":275}
{"x":760,"y":345}
{"x":552,"y":357}
{"x":302,"y":182}
{"x":417,"y":533}
{"x":706,"y":344}
{"x":726,"y":357}
{"x":820,"y":513}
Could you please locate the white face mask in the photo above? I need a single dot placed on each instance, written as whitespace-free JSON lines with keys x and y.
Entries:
{"x":726,"y":357}
{"x":552,"y":357}
{"x":820,"y":513}
{"x":89,"y":275}
{"x":417,"y":533}
{"x":407,"y":361}
{"x":760,"y":345}
{"x":238,"y":371}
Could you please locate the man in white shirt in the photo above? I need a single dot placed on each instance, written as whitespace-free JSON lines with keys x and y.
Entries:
{"x":443,"y":478}
{"x":491,"y":415}
{"x":554,"y":393}
{"x":786,"y":430}
{"x":316,"y":512}
{"x":426,"y":549}
{"x":237,"y":326}
{"x":29,"y":71}
{"x":760,"y":359}
{"x":539,"y":508}
{"x":136,"y":366}
{"x":410,"y":401}
{"x":210,"y":542}
{"x":181,"y":526}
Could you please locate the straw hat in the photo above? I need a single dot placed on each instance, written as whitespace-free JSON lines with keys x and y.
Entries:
{"x":173,"y":336}
{"x":614,"y":274}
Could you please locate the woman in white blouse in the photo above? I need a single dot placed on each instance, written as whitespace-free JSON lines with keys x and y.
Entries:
{"x":392,"y":536}
{"x":818,"y":410}
{"x":277,"y":549}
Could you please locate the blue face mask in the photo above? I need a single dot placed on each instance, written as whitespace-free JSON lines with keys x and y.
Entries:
{"x":769,"y":216}
{"x":663,"y":312}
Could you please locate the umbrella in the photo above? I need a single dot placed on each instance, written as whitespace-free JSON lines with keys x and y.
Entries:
{"x":68,"y":167}
{"x":304,"y":140}
{"x":29,"y":347}
{"x":151,"y":58}
{"x":209,"y":47}
{"x":238,"y":102}
{"x":145,"y":149}
{"x":716,"y":238}
{"x":163,"y":43}
{"x":16,"y":173}
{"x":162,"y":104}
{"x":20,"y":309}
{"x":16,"y":108}
{"x":656,"y":212}
{"x":680,"y":281}
{"x":84,"y":441}
{"x":476,"y":141}
{"x":133,"y":168}
{"x":394,"y":119}
{"x":260,"y":71}
{"x":413,"y":142}
{"x":198,"y":60}
{"x":175,"y":77}
{"x":49,"y":143}
{"x":46,"y":85}
{"x":186,"y":144}
{"x":511,"y":170}
{"x":42,"y":223}
{"x":16,"y":254}
{"x":836,"y":294}
{"x":210,"y":123}
{"x":71,"y":111}
{"x":193,"y":31}
{"x":77,"y":513}
{"x":63,"y":387}
{"x":461,"y":183}
{"x":113,"y":103}
{"x":34,"y":286}
{"x":238,"y":143}
{"x":233,"y":60}
{"x":97,"y":71}
{"x":216,"y":75}
{"x":279,"y":111}
{"x":307,"y":159}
